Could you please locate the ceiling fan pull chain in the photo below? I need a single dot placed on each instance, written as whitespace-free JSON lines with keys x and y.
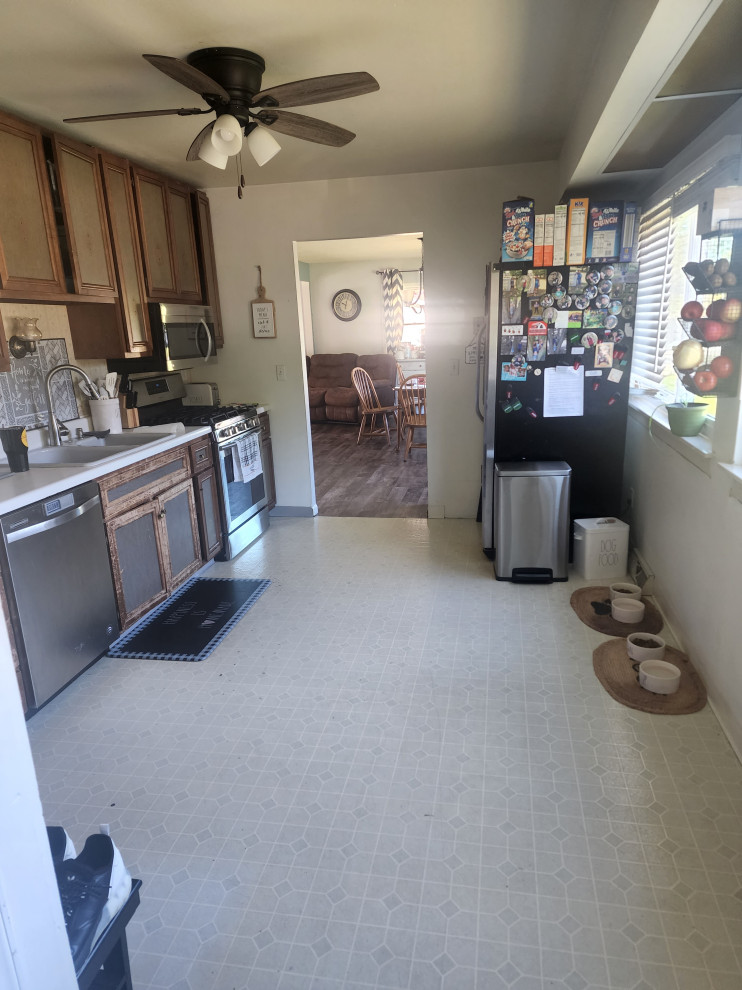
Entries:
{"x":239,"y":169}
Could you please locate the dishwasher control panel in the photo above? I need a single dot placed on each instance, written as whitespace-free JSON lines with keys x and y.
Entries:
{"x":55,"y":505}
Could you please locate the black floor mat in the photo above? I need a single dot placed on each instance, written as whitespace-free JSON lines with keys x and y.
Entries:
{"x":192,"y":623}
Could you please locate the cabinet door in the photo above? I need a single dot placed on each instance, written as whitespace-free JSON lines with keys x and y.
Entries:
{"x":30,"y":263}
{"x":139,"y":573}
{"x":127,"y":257}
{"x":179,"y":530}
{"x":187,"y":279}
{"x":154,"y":227}
{"x":209,"y":520}
{"x":209,"y":284}
{"x":86,"y":222}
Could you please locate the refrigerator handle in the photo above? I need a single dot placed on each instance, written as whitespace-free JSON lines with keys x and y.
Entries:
{"x":479,"y":408}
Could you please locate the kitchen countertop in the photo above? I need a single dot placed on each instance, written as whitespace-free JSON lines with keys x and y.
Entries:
{"x":22,"y":488}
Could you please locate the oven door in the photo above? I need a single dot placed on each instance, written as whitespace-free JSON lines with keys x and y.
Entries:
{"x":243,"y":481}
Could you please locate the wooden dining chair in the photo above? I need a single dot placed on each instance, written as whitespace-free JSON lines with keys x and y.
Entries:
{"x":371,"y":408}
{"x":412,"y":402}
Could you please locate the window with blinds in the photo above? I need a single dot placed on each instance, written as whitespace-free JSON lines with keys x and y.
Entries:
{"x":654,"y":254}
{"x":666,"y":243}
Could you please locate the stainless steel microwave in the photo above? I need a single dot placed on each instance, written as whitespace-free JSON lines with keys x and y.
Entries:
{"x":182,"y":337}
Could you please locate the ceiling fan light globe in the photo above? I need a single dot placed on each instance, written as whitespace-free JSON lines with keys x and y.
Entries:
{"x":209,"y":154}
{"x":262,"y":145}
{"x":226,"y":135}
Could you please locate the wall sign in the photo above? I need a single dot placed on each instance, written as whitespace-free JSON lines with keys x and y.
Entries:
{"x":263,"y":313}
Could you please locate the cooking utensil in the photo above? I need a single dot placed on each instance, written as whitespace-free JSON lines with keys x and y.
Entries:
{"x":92,"y":393}
{"x":110,"y":384}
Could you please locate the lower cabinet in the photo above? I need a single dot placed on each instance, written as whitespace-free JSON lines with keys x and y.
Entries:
{"x":153,"y":533}
{"x":206,"y":488}
{"x":209,"y":522}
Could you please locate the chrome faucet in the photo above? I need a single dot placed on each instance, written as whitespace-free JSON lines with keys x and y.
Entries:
{"x":54,"y":439}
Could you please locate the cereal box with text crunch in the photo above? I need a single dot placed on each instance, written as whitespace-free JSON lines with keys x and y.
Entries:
{"x":518,"y":221}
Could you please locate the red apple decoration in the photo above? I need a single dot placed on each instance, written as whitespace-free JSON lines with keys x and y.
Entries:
{"x":713,"y":310}
{"x":730,"y":310}
{"x":692,"y":310}
{"x":705,"y":380}
{"x":711,"y":330}
{"x":722,"y":366}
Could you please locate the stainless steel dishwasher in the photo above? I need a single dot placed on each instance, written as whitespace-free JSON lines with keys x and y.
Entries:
{"x":60,"y":588}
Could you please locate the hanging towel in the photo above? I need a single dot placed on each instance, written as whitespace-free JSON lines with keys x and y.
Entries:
{"x":247,"y":464}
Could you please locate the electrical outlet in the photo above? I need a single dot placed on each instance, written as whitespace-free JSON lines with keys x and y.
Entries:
{"x":453,"y":366}
{"x":281,"y":372}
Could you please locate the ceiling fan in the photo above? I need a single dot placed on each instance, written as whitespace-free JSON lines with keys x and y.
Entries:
{"x":229,"y":80}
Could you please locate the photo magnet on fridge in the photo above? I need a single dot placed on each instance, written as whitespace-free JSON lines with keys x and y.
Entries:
{"x":518,"y":222}
{"x":514,"y":373}
{"x":536,"y":284}
{"x":513,"y":345}
{"x":604,"y":355}
{"x":511,"y":306}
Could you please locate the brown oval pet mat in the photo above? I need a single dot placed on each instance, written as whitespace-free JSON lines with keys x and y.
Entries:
{"x":593,"y":605}
{"x":619,"y":675}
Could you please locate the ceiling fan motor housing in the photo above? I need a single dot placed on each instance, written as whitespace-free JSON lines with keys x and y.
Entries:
{"x":238,"y":71}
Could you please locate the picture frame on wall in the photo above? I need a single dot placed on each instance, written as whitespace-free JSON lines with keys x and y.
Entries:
{"x":263,"y":318}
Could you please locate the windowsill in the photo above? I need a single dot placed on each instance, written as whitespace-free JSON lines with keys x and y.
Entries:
{"x":697,"y":450}
{"x":734,"y":471}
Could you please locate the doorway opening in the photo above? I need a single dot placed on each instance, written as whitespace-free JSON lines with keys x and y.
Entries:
{"x":362,"y":304}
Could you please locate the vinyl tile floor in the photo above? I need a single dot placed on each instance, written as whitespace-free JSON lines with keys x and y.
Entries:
{"x":396,"y":772}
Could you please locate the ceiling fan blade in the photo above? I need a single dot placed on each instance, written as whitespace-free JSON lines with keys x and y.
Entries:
{"x":320,"y":89}
{"x":306,"y":128}
{"x":182,"y":112}
{"x":188,"y":76}
{"x":192,"y":155}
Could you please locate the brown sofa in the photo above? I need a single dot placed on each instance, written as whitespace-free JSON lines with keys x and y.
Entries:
{"x":332,"y":397}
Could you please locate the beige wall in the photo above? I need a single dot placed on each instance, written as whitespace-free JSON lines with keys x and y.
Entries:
{"x":688,"y":526}
{"x":459,"y":213}
{"x":365,"y":334}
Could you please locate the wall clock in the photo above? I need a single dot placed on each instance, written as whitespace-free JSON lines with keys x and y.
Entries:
{"x":346,"y":304}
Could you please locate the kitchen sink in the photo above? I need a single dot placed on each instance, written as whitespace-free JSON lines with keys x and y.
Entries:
{"x":75,"y":454}
{"x":120,"y":440}
{"x":89,"y":450}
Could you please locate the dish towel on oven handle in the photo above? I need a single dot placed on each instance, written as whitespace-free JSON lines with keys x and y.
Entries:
{"x":246,"y":462}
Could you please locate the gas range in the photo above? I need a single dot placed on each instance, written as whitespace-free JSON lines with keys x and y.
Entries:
{"x":160,"y":400}
{"x":225,"y":421}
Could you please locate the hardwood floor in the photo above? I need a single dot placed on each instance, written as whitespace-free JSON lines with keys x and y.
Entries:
{"x":367,"y":479}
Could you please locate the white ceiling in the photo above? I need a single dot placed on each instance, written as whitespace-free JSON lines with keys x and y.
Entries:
{"x":474,"y":83}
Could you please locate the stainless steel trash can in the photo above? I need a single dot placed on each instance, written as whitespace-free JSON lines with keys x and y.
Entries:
{"x":532,"y":520}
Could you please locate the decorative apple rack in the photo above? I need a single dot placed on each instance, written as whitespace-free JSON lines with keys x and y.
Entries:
{"x":708,"y":361}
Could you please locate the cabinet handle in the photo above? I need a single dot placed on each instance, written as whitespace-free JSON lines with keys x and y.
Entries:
{"x":163,"y":512}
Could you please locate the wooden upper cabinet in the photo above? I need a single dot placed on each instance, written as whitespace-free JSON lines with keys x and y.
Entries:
{"x":30,"y":262}
{"x":184,"y":239}
{"x":128,"y":260}
{"x":85,"y":219}
{"x":209,"y":283}
{"x":157,"y":247}
{"x":168,"y":239}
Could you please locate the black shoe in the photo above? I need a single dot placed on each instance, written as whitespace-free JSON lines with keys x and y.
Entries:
{"x":84,"y":883}
{"x":60,"y":844}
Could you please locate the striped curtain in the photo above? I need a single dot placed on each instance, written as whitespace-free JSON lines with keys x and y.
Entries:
{"x":391,"y":291}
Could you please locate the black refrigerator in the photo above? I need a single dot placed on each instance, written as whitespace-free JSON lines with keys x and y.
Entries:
{"x":553,"y":377}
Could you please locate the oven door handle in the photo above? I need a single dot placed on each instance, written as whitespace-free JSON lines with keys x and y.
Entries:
{"x":209,"y":348}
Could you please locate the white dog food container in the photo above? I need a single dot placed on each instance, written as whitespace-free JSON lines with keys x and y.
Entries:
{"x":601,"y":548}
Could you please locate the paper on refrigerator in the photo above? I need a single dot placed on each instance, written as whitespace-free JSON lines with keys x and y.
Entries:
{"x":564,"y":391}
